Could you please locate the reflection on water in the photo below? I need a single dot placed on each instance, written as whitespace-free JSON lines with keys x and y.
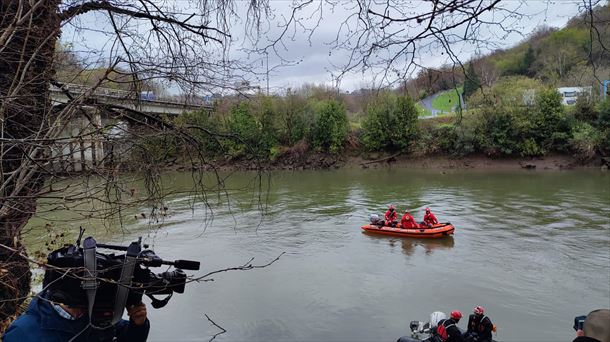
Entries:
{"x":429,"y":245}
{"x":535,"y":240}
{"x":409,"y":245}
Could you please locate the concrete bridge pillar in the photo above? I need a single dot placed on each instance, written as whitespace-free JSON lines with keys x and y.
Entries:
{"x":79,"y":146}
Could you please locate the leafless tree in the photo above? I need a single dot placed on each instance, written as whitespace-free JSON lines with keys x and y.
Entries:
{"x":183,"y":44}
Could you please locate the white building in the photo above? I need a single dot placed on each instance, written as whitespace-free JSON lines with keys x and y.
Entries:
{"x":569,"y":95}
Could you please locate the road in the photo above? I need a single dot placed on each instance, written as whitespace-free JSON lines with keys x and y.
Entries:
{"x":427,"y":104}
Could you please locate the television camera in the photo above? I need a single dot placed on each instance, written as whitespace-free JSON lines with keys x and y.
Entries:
{"x":106,"y":283}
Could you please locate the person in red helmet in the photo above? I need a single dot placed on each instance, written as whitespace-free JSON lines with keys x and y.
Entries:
{"x":447,"y":329}
{"x":391,"y":217}
{"x":408,"y":221}
{"x":429,"y":218}
{"x":479,"y":326}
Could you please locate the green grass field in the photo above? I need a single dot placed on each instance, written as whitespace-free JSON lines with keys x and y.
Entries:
{"x":422,"y":111}
{"x":447,"y":101}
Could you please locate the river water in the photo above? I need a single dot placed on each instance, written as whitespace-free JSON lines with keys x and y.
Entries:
{"x":532,"y":247}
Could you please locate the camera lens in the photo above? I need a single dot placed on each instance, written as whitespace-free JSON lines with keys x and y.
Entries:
{"x":176,"y":279}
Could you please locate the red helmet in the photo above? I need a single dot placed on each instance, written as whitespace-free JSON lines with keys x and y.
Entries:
{"x":391,"y":207}
{"x":479,"y":310}
{"x":427,"y":209}
{"x":456,"y":314}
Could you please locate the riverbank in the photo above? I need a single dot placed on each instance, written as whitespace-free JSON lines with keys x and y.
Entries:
{"x":323,"y":161}
{"x":551,"y":162}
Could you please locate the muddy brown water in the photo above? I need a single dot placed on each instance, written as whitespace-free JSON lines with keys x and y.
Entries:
{"x":532,"y":247}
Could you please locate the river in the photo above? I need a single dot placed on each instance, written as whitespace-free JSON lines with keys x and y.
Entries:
{"x":532,"y":247}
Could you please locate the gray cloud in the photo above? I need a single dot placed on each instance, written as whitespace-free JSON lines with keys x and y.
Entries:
{"x":314,"y":60}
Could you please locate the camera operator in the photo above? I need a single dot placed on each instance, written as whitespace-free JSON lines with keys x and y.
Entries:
{"x":52,"y":321}
{"x":596,"y":327}
{"x":85,"y":293}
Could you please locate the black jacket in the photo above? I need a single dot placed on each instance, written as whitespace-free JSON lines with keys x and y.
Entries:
{"x":585,"y":339}
{"x":481,"y":326}
{"x":42,"y":323}
{"x":453,"y":332}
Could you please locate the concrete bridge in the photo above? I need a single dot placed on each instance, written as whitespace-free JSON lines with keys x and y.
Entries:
{"x":95,"y":139}
{"x":123,"y":98}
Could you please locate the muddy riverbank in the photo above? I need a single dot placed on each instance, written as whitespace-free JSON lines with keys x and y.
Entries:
{"x":321,"y":161}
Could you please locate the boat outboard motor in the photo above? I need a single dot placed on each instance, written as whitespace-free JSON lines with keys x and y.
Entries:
{"x":424,"y":331}
{"x":436,"y":317}
{"x":418,"y":327}
{"x":374,"y":218}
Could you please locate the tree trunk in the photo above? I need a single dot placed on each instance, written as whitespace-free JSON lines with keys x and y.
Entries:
{"x":28,"y":33}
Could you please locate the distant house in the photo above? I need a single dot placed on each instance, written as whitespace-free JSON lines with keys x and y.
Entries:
{"x":569,"y":95}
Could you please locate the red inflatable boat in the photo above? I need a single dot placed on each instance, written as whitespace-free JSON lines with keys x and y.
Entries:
{"x":436,"y":231}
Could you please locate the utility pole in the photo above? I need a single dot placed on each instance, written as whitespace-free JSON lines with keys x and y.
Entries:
{"x":267,"y":54}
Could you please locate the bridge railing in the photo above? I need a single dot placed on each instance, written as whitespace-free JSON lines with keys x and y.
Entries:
{"x":78,"y":89}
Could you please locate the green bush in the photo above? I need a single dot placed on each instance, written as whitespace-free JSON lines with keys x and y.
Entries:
{"x":506,"y":131}
{"x":331,"y":126}
{"x":603,"y":124}
{"x":498,"y":133}
{"x":269,"y":131}
{"x":552,"y":125}
{"x":529,"y":148}
{"x":205,"y":127}
{"x":246,"y":129}
{"x":585,"y":141}
{"x":390,"y":124}
{"x":507,"y":91}
{"x":454,"y":139}
{"x":425,"y":143}
{"x":295,"y":119}
{"x":466,"y":142}
{"x":584,"y":110}
{"x":603,"y":116}
{"x":446,"y":137}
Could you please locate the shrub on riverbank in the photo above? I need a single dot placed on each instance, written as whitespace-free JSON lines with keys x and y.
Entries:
{"x":263,"y":126}
{"x":331,"y":126}
{"x":501,"y":124}
{"x":603,"y":125}
{"x":502,"y":127}
{"x":390,"y":124}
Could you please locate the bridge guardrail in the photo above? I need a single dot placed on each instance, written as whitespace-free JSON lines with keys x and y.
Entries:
{"x":78,"y":89}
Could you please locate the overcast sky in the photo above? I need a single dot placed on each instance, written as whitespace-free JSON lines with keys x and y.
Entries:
{"x":308,"y":57}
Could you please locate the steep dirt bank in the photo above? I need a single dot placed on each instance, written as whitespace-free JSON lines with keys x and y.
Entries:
{"x":321,"y":161}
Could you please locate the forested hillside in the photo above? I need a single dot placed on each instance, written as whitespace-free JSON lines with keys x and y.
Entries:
{"x":576,"y":55}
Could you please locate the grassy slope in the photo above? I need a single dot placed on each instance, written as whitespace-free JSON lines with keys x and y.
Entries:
{"x":422,"y":111}
{"x":447,"y":100}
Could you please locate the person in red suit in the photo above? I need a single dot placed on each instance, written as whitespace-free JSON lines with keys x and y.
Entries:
{"x":429,"y":218}
{"x":408,"y":221}
{"x":391,"y":217}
